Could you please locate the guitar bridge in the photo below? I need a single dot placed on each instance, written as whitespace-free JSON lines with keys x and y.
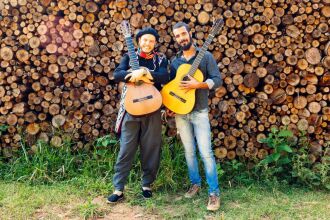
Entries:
{"x":178,"y":97}
{"x":142,"y":99}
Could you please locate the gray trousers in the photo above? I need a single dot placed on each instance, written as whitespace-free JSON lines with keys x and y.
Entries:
{"x":146,"y":132}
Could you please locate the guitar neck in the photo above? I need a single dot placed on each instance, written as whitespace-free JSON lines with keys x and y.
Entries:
{"x":134,"y":63}
{"x":200,"y":55}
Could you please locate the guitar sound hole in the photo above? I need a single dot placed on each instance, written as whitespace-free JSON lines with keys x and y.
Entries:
{"x":186,"y":78}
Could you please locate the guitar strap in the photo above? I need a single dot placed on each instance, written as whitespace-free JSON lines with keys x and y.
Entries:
{"x":122,"y":111}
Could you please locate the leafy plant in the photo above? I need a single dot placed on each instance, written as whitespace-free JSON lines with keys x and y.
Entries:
{"x":172,"y":173}
{"x":279,"y":141}
{"x":105,"y":141}
{"x":3,"y":128}
{"x":42,"y":163}
{"x":308,"y":173}
{"x":234,"y":172}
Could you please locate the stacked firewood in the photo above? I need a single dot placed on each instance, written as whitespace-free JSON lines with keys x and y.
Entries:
{"x":57,"y":60}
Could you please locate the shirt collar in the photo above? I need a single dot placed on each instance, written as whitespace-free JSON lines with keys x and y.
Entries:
{"x":179,"y":54}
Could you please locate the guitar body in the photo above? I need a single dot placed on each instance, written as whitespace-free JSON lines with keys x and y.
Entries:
{"x":142,"y":99}
{"x":176,"y":99}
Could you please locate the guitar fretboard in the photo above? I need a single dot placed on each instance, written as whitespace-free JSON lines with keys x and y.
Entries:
{"x":131,"y":53}
{"x":200,"y":55}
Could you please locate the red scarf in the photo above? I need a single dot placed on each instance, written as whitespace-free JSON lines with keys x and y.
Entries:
{"x":146,"y":55}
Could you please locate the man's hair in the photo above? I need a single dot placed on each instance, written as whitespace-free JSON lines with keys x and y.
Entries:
{"x":181,"y":24}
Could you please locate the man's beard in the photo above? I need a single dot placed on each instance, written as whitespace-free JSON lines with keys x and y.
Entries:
{"x":188,"y":45}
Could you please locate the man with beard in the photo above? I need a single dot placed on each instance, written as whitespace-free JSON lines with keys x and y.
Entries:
{"x":194,"y":127}
{"x":144,"y":130}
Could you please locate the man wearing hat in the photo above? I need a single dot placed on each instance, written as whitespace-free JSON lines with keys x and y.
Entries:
{"x":146,"y":130}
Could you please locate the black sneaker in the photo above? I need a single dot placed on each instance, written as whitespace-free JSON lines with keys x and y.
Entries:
{"x":146,"y":193}
{"x":114,"y":198}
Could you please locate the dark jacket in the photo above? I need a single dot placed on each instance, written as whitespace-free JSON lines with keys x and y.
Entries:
{"x":157,"y":67}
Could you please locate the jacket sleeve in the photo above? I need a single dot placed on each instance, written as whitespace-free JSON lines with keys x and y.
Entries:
{"x":172,"y":70}
{"x":161,"y":76}
{"x":121,"y":70}
{"x":213,"y":73}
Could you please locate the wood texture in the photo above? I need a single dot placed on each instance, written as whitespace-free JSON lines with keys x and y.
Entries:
{"x":57,"y":60}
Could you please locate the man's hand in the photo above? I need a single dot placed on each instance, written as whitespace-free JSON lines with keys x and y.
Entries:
{"x":170,"y":113}
{"x":147,"y":73}
{"x":135,"y":75}
{"x":165,"y":113}
{"x":141,"y":74}
{"x":192,"y":83}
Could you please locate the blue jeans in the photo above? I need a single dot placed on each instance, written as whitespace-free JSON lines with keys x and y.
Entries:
{"x":197,"y":125}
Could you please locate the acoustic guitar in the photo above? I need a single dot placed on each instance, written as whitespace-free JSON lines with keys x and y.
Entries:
{"x":180,"y":100}
{"x":141,"y":98}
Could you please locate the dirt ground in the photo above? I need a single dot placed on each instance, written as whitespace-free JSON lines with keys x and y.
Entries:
{"x":101,"y":210}
{"x":123,"y":211}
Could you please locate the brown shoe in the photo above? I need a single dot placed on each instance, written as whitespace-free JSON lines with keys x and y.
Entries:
{"x":193,"y":190}
{"x":214,"y":203}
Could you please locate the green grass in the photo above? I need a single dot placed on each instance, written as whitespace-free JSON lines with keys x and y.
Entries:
{"x":74,"y":201}
{"x":21,"y":201}
{"x":61,"y":183}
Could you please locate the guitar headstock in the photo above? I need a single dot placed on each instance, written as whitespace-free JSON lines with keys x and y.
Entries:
{"x":217,"y":25}
{"x":126,"y":28}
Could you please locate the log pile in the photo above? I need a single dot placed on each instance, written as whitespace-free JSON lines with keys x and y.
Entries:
{"x":57,"y":60}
